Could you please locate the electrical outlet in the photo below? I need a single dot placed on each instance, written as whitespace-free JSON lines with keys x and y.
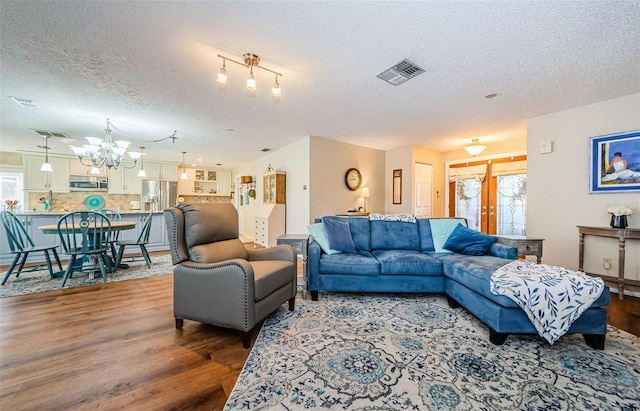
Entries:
{"x":606,"y":263}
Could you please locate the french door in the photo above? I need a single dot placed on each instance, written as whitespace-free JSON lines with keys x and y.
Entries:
{"x":491,"y":195}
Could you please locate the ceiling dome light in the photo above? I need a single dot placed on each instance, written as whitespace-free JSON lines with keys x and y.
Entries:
{"x":474,"y":149}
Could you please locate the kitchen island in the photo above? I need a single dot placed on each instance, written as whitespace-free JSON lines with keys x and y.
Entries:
{"x":158,"y":240}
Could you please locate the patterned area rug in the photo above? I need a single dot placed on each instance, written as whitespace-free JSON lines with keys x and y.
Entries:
{"x":385,"y":352}
{"x":38,"y":281}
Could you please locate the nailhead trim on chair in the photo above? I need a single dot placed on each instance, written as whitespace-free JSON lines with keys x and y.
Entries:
{"x":246,"y":286}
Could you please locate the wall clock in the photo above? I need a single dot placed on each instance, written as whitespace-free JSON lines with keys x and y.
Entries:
{"x":352,"y":179}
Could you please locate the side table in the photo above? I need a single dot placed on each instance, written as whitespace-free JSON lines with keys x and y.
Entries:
{"x":300,"y":242}
{"x":525,"y":245}
{"x":622,"y":234}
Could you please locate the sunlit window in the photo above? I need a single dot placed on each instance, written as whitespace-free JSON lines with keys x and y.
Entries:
{"x":11,"y":188}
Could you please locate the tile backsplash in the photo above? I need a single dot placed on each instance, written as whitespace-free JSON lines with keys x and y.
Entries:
{"x":75,"y":201}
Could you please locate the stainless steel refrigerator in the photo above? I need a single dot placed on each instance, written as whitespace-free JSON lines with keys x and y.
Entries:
{"x":158,"y":194}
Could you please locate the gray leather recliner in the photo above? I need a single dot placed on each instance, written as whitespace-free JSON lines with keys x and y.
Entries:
{"x":217,"y":280}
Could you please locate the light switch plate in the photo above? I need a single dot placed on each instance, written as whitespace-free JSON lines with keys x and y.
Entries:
{"x":546,"y":147}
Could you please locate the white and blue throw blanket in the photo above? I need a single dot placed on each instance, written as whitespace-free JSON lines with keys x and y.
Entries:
{"x":553,"y":297}
{"x":405,"y":218}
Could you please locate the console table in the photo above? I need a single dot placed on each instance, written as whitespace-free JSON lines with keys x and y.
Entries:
{"x":525,"y":245}
{"x":622,"y":234}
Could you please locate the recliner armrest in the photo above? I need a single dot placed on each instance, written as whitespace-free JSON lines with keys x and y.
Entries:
{"x":283,"y":252}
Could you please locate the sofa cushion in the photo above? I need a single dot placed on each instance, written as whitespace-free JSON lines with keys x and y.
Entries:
{"x":394,"y":235}
{"x":424,"y":230}
{"x":360,"y":230}
{"x":407,"y":262}
{"x":474,"y":272}
{"x":338,"y":235}
{"x":464,"y":240}
{"x":441,"y":228}
{"x":360,"y":263}
{"x":317,"y":232}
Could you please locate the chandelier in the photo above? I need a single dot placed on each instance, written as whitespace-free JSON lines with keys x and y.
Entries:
{"x":250,"y":60}
{"x":105,"y":152}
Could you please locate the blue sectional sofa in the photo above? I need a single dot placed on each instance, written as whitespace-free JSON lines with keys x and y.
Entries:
{"x":407,"y":257}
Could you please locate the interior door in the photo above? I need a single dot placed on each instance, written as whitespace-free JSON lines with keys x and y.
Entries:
{"x":424,"y":190}
{"x":491,"y":195}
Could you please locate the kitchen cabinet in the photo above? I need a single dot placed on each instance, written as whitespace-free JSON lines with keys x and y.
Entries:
{"x":185,"y":187}
{"x":76,"y":168}
{"x":158,"y":239}
{"x":125,"y":180}
{"x":161,"y":171}
{"x":224,"y":183}
{"x":206,"y":182}
{"x":36,"y":180}
{"x":273,"y":188}
{"x":269,"y":224}
{"x":31,"y":223}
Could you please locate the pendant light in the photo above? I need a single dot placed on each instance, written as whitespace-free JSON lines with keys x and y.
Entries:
{"x":46,"y":165}
{"x":184,"y":175}
{"x":142,"y":173}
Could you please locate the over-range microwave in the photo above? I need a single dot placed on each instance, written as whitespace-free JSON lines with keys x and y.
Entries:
{"x":87,"y":183}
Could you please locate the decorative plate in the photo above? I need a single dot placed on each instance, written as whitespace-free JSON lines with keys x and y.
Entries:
{"x":94,"y":202}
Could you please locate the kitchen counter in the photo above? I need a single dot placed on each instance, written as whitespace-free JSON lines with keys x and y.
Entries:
{"x":61,"y":213}
{"x":158,"y":239}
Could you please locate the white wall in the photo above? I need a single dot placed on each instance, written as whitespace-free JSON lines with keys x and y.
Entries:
{"x":558,"y":185}
{"x":328,"y":163}
{"x":294,"y":160}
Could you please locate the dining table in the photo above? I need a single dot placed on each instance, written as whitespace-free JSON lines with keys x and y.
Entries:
{"x":115,"y":226}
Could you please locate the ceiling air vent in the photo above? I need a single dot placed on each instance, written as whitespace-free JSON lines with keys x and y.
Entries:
{"x":401,"y":72}
{"x":45,"y":133}
{"x":25,"y":102}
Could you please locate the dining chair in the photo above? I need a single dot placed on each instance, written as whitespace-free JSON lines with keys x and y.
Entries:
{"x":114,"y":235}
{"x":84,"y":234}
{"x":22,"y":245}
{"x":142,"y":241}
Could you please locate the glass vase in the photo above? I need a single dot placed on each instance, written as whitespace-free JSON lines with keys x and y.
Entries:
{"x":618,"y":221}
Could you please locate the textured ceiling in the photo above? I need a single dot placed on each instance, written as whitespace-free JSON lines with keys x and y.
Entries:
{"x":150,"y":68}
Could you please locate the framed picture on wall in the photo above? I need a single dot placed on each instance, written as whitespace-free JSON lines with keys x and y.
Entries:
{"x":615,"y":163}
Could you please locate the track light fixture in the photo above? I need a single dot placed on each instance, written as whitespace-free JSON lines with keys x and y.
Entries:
{"x":250,"y":60}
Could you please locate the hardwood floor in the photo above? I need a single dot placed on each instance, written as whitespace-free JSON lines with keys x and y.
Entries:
{"x":114,"y":346}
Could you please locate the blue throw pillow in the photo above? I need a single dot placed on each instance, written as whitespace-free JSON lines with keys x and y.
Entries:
{"x":464,"y":240}
{"x":339,"y":235}
{"x":441,"y":228}
{"x":317,"y":232}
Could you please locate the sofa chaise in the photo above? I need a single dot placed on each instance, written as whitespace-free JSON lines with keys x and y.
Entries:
{"x":409,"y":257}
